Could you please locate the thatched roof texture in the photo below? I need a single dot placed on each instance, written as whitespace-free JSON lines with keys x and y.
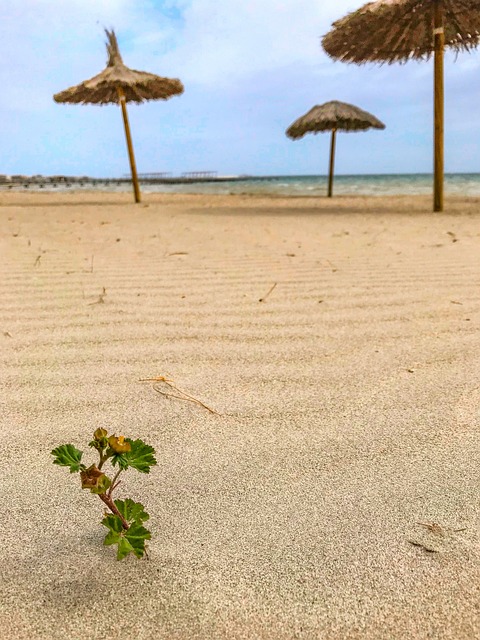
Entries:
{"x":399,"y":30}
{"x":334,"y":115}
{"x":137,"y":86}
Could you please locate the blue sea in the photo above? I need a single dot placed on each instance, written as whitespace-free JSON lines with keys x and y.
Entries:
{"x":467,"y":184}
{"x":461,"y":184}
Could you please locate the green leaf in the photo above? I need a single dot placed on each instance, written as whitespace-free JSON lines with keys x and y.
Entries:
{"x":124,"y":548}
{"x":130,"y":540}
{"x":132,"y":511}
{"x":112,"y":537}
{"x":68,"y":456}
{"x":136,"y":536}
{"x":120,"y":459}
{"x":113,"y":522}
{"x":140,"y":457}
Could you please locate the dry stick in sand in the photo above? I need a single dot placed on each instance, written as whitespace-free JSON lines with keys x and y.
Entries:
{"x":433,"y":527}
{"x":438,"y":529}
{"x":425,"y":547}
{"x":100,"y":298}
{"x":332,"y":266}
{"x":37,"y":261}
{"x":183,"y":395}
{"x":268,"y":293}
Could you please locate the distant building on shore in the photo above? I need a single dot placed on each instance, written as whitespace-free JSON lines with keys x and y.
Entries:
{"x":199,"y":174}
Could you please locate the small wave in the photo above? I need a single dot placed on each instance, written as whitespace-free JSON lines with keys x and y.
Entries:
{"x":381,"y":185}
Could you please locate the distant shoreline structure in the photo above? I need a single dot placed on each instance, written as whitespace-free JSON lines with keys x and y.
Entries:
{"x":146,"y":178}
{"x":198,"y":176}
{"x":210,"y":182}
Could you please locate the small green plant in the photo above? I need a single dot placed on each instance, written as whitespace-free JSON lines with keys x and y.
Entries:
{"x":125,"y":522}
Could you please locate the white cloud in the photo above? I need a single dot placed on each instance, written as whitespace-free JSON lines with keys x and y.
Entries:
{"x":46,"y":42}
{"x":222,"y":41}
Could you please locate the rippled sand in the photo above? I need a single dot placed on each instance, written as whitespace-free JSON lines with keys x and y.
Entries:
{"x":350,"y":402}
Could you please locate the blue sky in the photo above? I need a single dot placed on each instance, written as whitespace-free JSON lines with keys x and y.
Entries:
{"x":250,"y":68}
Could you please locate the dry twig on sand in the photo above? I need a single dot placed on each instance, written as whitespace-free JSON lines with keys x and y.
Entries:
{"x":440,"y":539}
{"x":424,"y":546}
{"x":433,"y":527}
{"x":332,"y":266}
{"x":268,"y":293}
{"x":101,"y":298}
{"x":183,"y":395}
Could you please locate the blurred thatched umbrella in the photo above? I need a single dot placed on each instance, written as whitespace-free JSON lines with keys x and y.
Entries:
{"x":333,"y":116}
{"x":119,"y":84}
{"x":400,"y":30}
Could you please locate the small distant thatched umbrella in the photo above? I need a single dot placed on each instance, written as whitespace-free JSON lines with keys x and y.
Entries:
{"x":333,"y":116}
{"x":400,"y":30}
{"x":119,"y":84}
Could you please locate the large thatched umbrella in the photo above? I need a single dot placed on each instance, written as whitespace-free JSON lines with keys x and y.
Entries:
{"x":119,"y":84}
{"x":333,"y":116}
{"x":400,"y":30}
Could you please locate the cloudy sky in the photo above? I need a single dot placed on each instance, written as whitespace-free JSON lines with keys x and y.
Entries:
{"x":250,"y":67}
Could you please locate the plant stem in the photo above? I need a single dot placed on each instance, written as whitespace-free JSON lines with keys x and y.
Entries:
{"x":103,"y":459}
{"x":108,"y":500}
{"x":114,"y":483}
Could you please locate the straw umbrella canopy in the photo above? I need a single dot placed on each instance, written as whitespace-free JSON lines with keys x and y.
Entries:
{"x":401,"y":30}
{"x":333,"y":116}
{"x":117,"y":84}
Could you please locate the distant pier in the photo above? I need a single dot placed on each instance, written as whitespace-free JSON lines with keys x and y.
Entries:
{"x":164,"y":177}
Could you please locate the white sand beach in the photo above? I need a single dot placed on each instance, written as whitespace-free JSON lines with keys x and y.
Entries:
{"x":337,"y":496}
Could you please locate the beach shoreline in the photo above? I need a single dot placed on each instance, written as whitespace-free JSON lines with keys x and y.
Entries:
{"x":383,"y":185}
{"x":402,"y":204}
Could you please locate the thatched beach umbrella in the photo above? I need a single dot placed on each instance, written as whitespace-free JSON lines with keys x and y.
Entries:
{"x":117,"y":84}
{"x":400,"y":30}
{"x":333,"y":116}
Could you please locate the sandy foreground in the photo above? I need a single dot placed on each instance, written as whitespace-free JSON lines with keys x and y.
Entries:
{"x":350,"y":402}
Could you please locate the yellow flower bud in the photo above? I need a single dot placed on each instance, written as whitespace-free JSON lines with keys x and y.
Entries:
{"x":119,"y":445}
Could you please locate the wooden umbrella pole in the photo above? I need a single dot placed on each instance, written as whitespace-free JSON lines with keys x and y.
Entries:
{"x":439,"y":36}
{"x":332,"y":163}
{"x":131,"y":156}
